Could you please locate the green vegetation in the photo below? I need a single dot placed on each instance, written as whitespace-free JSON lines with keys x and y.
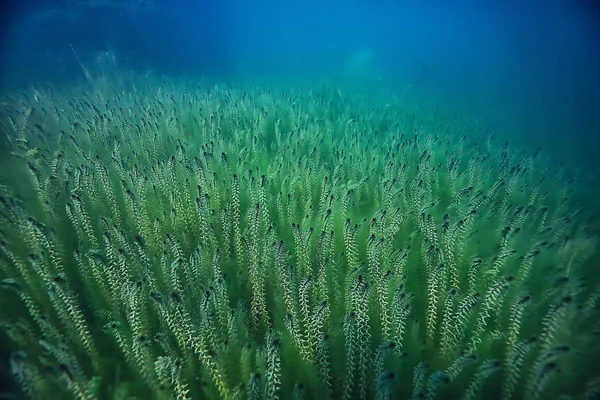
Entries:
{"x":170,"y":240}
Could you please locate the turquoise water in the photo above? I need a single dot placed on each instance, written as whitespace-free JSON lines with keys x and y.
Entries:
{"x":304,"y":208}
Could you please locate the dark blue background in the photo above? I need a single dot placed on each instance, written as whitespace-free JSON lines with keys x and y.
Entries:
{"x":530,"y":68}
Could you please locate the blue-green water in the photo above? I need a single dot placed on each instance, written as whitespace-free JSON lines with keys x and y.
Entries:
{"x":296,"y":200}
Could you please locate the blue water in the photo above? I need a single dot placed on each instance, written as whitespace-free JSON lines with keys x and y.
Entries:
{"x":527,"y":71}
{"x":530,"y":68}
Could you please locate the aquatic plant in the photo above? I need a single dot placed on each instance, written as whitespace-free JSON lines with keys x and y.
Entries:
{"x":167,"y":240}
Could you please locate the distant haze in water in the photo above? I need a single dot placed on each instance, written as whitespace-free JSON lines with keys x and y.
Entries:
{"x":529,"y":69}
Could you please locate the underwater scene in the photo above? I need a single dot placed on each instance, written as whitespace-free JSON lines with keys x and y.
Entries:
{"x":295,"y":213}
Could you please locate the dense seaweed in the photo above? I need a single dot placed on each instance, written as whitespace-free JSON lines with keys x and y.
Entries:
{"x":162,"y":239}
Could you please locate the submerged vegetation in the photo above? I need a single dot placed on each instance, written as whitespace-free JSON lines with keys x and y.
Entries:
{"x":171,"y":240}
